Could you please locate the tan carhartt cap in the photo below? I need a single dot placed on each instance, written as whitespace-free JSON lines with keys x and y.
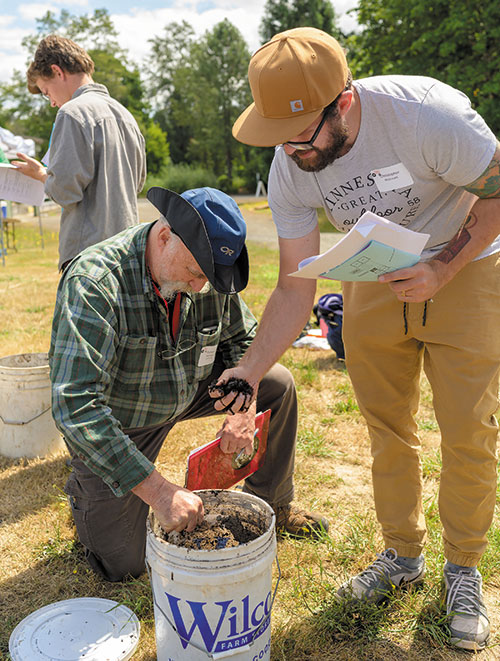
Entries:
{"x":292,"y":78}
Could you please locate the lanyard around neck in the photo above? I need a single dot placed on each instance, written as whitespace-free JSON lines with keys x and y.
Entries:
{"x":176,"y":313}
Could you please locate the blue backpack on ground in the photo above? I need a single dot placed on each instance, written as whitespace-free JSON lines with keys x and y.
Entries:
{"x":330,"y":308}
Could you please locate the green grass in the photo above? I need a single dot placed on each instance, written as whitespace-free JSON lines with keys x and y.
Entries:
{"x":305,"y":372}
{"x":349,"y":406}
{"x":360,"y":538}
{"x":431,"y":464}
{"x":312,"y":444}
{"x":54,"y":547}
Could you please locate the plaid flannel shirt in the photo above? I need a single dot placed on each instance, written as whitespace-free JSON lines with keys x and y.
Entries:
{"x":109,"y":333}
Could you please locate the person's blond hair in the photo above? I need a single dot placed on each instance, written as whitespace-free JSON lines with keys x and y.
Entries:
{"x":61,"y":51}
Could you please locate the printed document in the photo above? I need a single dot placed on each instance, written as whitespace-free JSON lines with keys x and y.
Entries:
{"x":372,"y":247}
{"x":17,"y":187}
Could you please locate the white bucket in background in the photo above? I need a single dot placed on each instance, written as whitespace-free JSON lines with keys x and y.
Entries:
{"x":26,"y":425}
{"x":214,"y":604}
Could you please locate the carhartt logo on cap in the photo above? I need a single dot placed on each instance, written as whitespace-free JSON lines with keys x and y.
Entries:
{"x":226,"y":250}
{"x":296,"y":105}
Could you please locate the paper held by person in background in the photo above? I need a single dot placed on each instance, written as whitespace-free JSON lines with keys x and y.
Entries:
{"x":372,"y":247}
{"x":17,"y":187}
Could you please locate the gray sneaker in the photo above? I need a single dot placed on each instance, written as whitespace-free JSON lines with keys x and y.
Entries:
{"x":468,"y":619}
{"x":381,"y":578}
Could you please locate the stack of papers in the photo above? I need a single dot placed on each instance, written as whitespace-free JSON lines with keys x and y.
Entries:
{"x":372,"y":247}
{"x":17,"y":187}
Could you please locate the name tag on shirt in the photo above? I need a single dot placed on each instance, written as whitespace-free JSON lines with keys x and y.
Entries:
{"x":207,"y":355}
{"x":392,"y":177}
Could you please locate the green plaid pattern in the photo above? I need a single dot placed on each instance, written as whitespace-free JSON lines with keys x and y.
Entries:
{"x":107,"y":375}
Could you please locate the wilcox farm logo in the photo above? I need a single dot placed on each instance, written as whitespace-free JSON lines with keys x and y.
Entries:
{"x":233,"y":623}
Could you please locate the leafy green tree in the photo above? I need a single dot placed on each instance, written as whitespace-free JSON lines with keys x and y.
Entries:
{"x":199,"y":87}
{"x":123,"y":82}
{"x":456,"y":41}
{"x":220,"y":88}
{"x":282,"y":15}
{"x":92,"y":32}
{"x":157,"y":150}
{"x":170,"y":52}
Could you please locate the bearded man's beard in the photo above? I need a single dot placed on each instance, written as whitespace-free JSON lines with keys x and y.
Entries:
{"x":323,"y":157}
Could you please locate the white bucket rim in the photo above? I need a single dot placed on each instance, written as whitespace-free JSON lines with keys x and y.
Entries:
{"x":7,"y":368}
{"x":211,"y":554}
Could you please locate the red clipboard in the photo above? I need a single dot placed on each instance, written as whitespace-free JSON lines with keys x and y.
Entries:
{"x":210,"y":468}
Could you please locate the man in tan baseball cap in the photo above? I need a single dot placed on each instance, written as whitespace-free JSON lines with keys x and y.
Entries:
{"x":410,"y":149}
{"x":293,"y":78}
{"x":301,"y":86}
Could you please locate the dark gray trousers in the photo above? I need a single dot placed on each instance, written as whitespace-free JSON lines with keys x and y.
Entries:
{"x":113,"y":530}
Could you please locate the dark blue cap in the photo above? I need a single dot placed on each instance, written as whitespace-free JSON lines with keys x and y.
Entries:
{"x":211,"y":226}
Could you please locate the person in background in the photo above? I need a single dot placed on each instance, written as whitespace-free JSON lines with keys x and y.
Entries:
{"x":412,"y":150}
{"x":97,"y":159}
{"x":143,"y":323}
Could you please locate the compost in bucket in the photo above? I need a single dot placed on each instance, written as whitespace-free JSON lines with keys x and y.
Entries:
{"x":225,"y":525}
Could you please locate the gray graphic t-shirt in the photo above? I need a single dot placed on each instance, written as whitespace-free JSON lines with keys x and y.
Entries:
{"x":419,"y":142}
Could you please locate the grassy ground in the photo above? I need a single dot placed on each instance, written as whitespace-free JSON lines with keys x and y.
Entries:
{"x":41,"y":560}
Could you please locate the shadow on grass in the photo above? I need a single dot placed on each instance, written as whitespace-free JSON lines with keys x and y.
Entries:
{"x":432,"y":633}
{"x":344,"y":631}
{"x":330,"y":361}
{"x":32,"y":487}
{"x":68,"y":576}
{"x":360,"y":631}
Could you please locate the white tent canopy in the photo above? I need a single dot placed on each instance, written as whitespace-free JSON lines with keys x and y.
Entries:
{"x":11,"y":144}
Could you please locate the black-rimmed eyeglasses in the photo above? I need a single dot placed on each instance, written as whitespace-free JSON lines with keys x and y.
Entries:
{"x":308,"y":144}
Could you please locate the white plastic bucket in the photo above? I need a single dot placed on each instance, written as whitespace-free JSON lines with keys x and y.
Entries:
{"x":214,"y":604}
{"x":26,"y":425}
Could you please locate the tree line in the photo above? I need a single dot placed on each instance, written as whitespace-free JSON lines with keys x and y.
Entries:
{"x":190,"y":90}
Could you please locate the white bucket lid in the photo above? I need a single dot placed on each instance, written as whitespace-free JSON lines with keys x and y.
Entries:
{"x":86,"y":629}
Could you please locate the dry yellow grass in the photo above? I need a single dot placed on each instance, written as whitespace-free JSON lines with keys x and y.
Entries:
{"x":41,"y":561}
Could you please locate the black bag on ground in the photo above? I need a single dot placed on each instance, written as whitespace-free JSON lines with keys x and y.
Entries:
{"x":330,"y":308}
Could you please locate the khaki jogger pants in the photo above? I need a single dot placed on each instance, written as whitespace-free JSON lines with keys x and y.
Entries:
{"x":457,"y":341}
